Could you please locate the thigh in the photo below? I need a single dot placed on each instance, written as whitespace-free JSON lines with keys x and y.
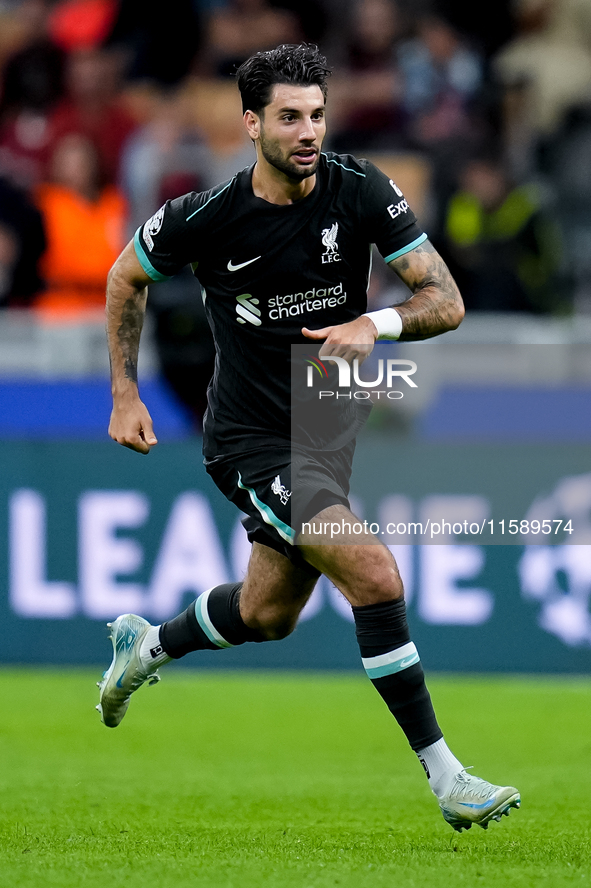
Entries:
{"x":359,"y":564}
{"x":259,"y":483}
{"x":273,"y":582}
{"x":278,"y":488}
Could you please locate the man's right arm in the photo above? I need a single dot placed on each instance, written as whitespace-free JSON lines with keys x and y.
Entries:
{"x":131,"y":424}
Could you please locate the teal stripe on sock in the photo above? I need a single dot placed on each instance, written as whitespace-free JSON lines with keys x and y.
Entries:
{"x":392,"y":662}
{"x":206,"y":624}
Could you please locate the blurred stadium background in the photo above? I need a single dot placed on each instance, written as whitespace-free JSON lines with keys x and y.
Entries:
{"x":483,"y":117}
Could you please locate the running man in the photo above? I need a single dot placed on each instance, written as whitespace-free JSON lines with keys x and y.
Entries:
{"x":282,"y":253}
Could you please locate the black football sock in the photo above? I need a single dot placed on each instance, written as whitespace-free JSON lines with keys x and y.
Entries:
{"x":392,"y":663}
{"x":211,"y":622}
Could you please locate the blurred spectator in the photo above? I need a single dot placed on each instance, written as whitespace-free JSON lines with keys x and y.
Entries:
{"x":85,"y":224}
{"x":545,"y":70}
{"x":441,"y":77}
{"x":567,"y":164}
{"x":32,"y":83}
{"x":442,"y":81}
{"x":501,"y":246}
{"x":8,"y":257}
{"x":164,"y":159}
{"x":194,"y":139}
{"x":22,"y":241}
{"x":159,"y":44}
{"x":311,"y":15}
{"x":93,"y":107}
{"x":236,"y":31}
{"x":367,"y":102}
{"x":217,"y":111}
{"x":488,"y":23}
{"x":81,"y":24}
{"x":374,"y":29}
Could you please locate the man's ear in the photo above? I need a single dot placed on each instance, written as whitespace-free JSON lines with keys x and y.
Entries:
{"x":252,"y":122}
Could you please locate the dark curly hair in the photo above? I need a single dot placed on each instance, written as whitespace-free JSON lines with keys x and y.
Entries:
{"x":292,"y":63}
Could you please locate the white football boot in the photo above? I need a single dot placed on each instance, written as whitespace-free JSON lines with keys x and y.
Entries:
{"x":126,"y":673}
{"x":472,"y":800}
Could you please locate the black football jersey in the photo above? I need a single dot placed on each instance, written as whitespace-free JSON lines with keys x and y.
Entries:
{"x":266,"y":271}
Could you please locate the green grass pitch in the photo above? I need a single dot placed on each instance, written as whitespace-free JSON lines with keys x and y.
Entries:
{"x":246,"y":780}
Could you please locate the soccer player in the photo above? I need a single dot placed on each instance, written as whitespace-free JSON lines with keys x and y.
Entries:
{"x":282,"y":253}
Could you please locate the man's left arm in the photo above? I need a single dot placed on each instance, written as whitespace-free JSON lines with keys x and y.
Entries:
{"x":434,"y":307}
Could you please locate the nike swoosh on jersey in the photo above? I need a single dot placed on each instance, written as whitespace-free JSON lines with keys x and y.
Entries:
{"x":242,"y":264}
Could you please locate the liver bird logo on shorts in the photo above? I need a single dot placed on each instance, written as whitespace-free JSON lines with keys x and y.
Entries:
{"x":329,"y":239}
{"x":280,"y":490}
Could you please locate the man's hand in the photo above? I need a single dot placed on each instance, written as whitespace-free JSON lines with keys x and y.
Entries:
{"x":349,"y":341}
{"x":131,"y":426}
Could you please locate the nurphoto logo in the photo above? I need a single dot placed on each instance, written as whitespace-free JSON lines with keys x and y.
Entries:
{"x":389,"y":371}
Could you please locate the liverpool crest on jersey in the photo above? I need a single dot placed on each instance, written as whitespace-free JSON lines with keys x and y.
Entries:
{"x":329,"y":239}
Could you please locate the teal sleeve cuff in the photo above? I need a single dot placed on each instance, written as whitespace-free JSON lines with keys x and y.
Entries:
{"x":145,"y":262}
{"x":406,"y":249}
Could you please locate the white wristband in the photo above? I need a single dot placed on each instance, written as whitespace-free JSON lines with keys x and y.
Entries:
{"x":387,"y":321}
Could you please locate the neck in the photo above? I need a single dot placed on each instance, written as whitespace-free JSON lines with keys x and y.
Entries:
{"x":275,"y":187}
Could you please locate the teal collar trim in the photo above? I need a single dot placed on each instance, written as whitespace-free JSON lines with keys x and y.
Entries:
{"x":342,"y":166}
{"x":213,"y":197}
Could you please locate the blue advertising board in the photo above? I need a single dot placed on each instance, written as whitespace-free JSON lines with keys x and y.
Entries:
{"x":92,"y":530}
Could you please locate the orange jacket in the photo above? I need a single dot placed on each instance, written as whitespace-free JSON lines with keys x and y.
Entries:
{"x":83,"y":241}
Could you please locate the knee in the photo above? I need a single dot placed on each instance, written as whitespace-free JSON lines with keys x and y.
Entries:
{"x":275,"y":626}
{"x":273,"y":623}
{"x":277,"y":631}
{"x":382,"y":583}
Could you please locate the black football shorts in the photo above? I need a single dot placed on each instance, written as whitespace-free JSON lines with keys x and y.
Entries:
{"x":280,"y":488}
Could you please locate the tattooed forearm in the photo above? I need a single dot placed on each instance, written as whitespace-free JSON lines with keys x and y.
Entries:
{"x":127,"y":295}
{"x":128,"y":334}
{"x":436,"y":305}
